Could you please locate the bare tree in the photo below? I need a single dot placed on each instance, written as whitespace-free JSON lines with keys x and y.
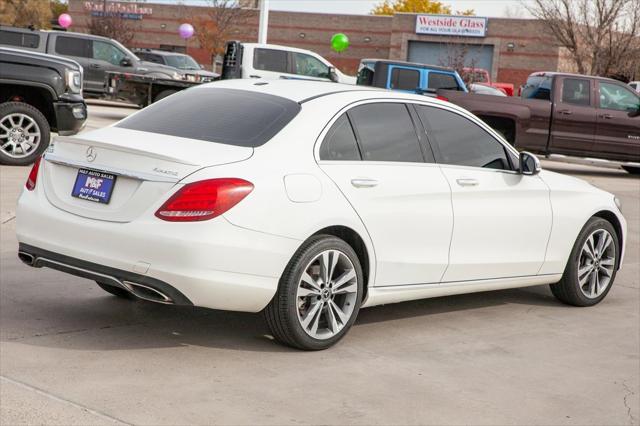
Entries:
{"x":112,"y":25}
{"x":459,"y":56}
{"x":215,"y":22}
{"x":601,"y":36}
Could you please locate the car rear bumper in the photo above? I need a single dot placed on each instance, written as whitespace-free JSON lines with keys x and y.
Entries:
{"x":212,"y":264}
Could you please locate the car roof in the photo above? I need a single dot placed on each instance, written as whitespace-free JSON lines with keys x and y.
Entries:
{"x":158,"y":52}
{"x":568,"y":74}
{"x":279,"y":47}
{"x":412,"y":64}
{"x":302,"y":91}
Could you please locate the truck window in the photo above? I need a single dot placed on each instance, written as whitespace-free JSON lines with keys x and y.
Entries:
{"x":616,"y":97}
{"x":461,"y":141}
{"x":537,"y":87}
{"x":73,"y":46}
{"x":107,"y":52}
{"x":340,"y":142}
{"x":150,"y":57}
{"x":310,"y":66}
{"x":405,"y":79}
{"x":576,"y":91}
{"x":228,"y":116}
{"x":386,"y":133}
{"x":270,"y":60}
{"x":366,"y":71}
{"x":438,"y":80}
{"x":19,"y":39}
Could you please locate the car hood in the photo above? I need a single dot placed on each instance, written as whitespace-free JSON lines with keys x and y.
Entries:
{"x":152,"y":66}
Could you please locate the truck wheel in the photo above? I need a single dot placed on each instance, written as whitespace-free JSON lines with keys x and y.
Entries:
{"x":24,"y":133}
{"x":164,"y":94}
{"x":631,"y":169}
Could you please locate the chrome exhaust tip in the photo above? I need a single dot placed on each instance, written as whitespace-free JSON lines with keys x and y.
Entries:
{"x":147,"y":293}
{"x":27,"y":258}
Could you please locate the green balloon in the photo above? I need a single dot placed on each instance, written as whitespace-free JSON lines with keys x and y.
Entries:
{"x":339,"y":42}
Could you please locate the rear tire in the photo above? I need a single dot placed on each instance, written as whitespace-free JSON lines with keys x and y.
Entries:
{"x":116,"y":291}
{"x":592,"y":265}
{"x":632,"y":170}
{"x":315,"y":305}
{"x":24,"y":133}
{"x":163,"y":95}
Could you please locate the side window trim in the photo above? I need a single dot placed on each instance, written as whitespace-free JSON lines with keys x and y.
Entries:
{"x":438,"y":155}
{"x":423,"y":138}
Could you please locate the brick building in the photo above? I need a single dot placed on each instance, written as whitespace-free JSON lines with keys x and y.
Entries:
{"x":509,"y":48}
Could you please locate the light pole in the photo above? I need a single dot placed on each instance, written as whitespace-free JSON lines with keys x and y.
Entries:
{"x":263,"y":25}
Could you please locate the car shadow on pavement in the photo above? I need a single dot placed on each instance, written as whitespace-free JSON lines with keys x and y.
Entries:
{"x":106,"y":323}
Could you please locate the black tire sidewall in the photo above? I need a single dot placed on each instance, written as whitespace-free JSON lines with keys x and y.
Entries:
{"x":570,"y":277}
{"x":290,"y":288}
{"x":45,"y":132}
{"x":160,"y":96}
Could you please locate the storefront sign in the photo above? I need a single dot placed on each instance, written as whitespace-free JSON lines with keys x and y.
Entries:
{"x":124,"y":10}
{"x":465,"y":26}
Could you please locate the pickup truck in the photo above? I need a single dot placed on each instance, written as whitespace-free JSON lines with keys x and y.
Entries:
{"x":408,"y":76}
{"x":38,"y":94}
{"x":241,"y":60}
{"x":576,"y":117}
{"x":482,"y":76}
{"x":97,"y":55}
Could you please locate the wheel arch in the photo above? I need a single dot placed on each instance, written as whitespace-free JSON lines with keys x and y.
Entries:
{"x":356,"y":242}
{"x":39,"y":97}
{"x":611,"y":217}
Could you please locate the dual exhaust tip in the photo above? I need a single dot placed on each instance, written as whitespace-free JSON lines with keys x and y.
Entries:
{"x":141,"y":291}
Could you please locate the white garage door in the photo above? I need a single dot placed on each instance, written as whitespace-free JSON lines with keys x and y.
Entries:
{"x":444,"y":54}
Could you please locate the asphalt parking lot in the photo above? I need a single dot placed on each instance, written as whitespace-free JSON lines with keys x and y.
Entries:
{"x":72,"y":354}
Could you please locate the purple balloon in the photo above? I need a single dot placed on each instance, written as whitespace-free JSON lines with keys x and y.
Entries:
{"x":65,"y":20}
{"x":185,"y":31}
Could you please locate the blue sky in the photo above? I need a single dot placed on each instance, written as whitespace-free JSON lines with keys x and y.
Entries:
{"x":482,"y":7}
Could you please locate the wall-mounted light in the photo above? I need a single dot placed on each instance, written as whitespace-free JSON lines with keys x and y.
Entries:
{"x":163,"y":26}
{"x":367,"y":39}
{"x":511,"y":46}
{"x":302,"y":35}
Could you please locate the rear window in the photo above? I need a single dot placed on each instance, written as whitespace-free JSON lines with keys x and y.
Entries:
{"x":270,"y":60}
{"x":439,"y":80}
{"x":73,"y":46}
{"x":537,"y":87}
{"x":405,"y":79}
{"x":19,"y":39}
{"x":228,"y":116}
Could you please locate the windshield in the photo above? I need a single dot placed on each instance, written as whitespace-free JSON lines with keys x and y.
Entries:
{"x":182,"y":62}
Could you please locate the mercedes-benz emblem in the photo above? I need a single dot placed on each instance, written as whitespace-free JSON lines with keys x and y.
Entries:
{"x":91,"y":154}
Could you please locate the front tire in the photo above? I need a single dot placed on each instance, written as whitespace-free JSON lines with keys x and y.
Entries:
{"x":24,"y":133}
{"x":592,"y":265}
{"x":319,"y":295}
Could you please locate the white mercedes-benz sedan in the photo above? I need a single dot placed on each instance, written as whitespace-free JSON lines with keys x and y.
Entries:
{"x":308,"y":201}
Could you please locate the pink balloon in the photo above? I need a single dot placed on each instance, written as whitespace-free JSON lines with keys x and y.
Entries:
{"x":186,"y":31}
{"x":65,"y":20}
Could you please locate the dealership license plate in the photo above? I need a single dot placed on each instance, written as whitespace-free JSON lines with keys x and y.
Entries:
{"x":92,"y":185}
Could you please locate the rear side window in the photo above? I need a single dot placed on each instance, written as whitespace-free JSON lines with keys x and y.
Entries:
{"x":537,"y":87}
{"x":19,"y":39}
{"x":438,"y":80}
{"x":228,"y":116}
{"x":461,"y":141}
{"x":386,"y":133}
{"x":340,"y":143}
{"x":576,"y":91}
{"x":270,"y":60}
{"x":405,"y":79}
{"x":72,"y":46}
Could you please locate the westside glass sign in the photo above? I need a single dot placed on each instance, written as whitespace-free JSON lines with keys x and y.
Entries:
{"x":465,"y":26}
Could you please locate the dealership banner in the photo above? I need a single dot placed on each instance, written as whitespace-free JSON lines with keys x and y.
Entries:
{"x":466,"y":26}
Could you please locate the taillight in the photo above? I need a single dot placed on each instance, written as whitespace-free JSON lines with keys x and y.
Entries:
{"x":442,"y":98}
{"x":204,"y":199}
{"x":33,"y":175}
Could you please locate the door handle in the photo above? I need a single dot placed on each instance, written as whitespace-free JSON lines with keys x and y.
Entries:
{"x":467,"y":182}
{"x":565,"y":112}
{"x":364,"y":183}
{"x":606,"y":116}
{"x":94,"y":66}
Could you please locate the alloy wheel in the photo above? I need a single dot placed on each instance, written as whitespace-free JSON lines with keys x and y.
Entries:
{"x":326,"y":294}
{"x":19,"y":135}
{"x":596,"y":263}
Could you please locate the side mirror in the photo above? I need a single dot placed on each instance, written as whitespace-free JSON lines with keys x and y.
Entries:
{"x":126,"y":62}
{"x":634,"y":112}
{"x":529,"y":164}
{"x":333,"y":75}
{"x":201,"y":66}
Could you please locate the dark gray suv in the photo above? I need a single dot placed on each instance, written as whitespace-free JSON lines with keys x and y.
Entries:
{"x":185,"y":63}
{"x":97,"y":55}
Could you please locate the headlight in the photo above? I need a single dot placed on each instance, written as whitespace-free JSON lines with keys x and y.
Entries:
{"x":618,"y":203}
{"x":73,"y":80}
{"x":177,"y":76}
